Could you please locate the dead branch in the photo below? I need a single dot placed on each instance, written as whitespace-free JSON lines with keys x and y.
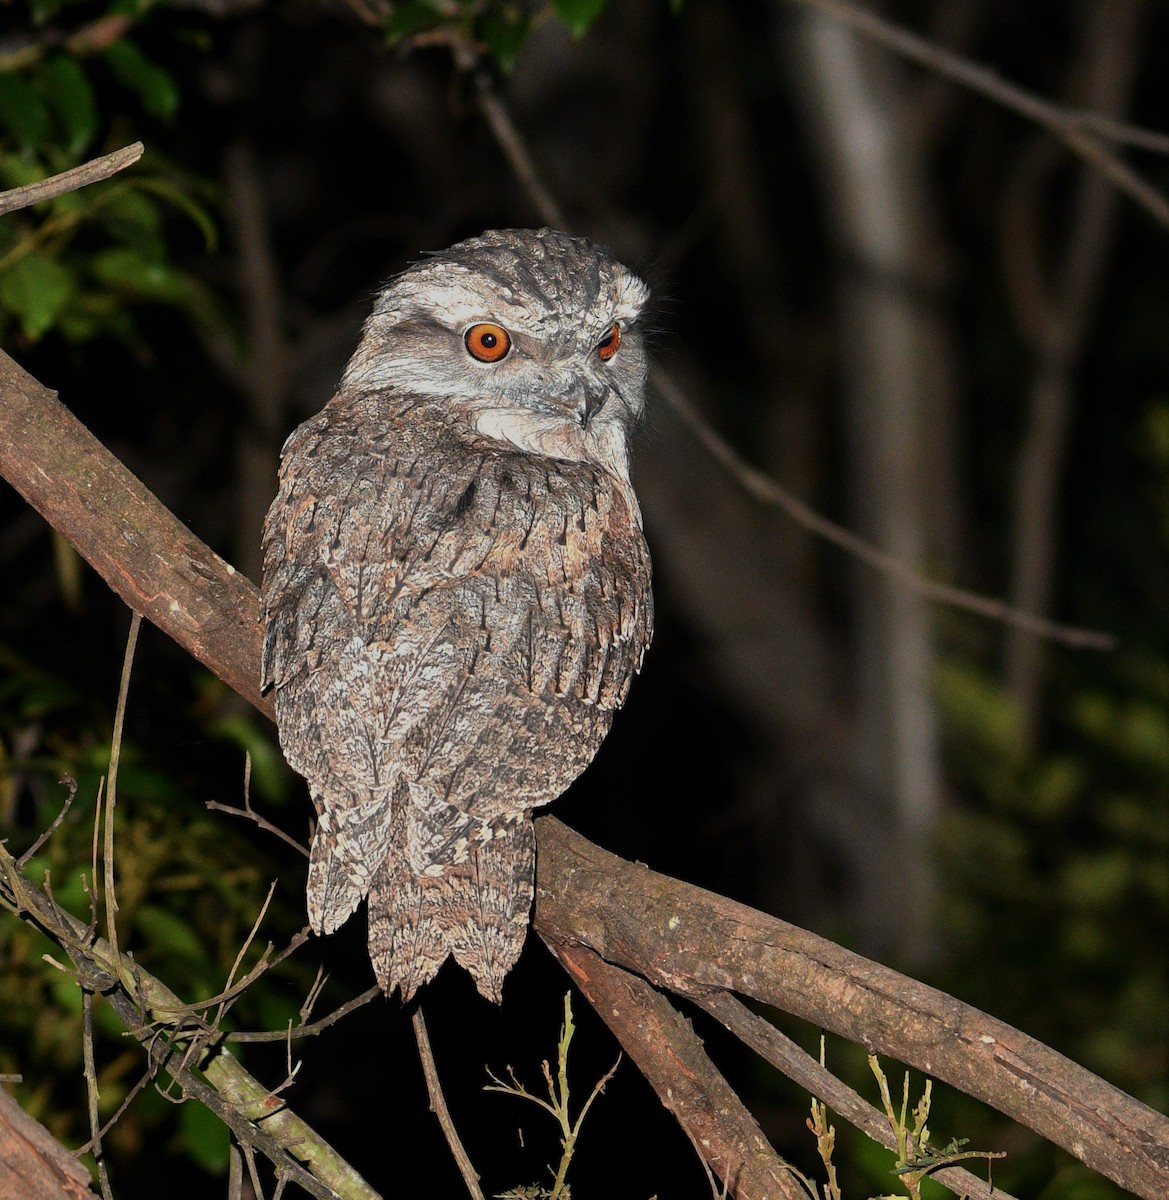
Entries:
{"x":70,"y":181}
{"x":675,"y":935}
{"x":438,"y":1106}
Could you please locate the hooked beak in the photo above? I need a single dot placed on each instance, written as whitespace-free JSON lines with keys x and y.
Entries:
{"x":589,"y":401}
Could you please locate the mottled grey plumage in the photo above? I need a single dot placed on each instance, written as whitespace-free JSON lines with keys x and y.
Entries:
{"x":457,"y":590}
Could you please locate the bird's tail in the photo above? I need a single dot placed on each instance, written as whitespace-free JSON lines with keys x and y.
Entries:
{"x":476,"y":909}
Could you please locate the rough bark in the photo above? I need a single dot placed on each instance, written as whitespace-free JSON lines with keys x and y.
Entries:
{"x":33,"y":1164}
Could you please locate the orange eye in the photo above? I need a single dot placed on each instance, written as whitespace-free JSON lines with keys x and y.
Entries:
{"x":607,"y":346}
{"x":487,"y":342}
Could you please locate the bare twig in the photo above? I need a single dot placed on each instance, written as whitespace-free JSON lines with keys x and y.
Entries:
{"x":310,"y":1030}
{"x":235,"y":1173}
{"x":229,"y":994}
{"x":513,"y":146}
{"x":127,"y":1100}
{"x":766,"y":491}
{"x":250,"y":814}
{"x":439,"y":1108}
{"x":91,"y":1091}
{"x":111,"y":898}
{"x":71,"y":784}
{"x":70,"y":181}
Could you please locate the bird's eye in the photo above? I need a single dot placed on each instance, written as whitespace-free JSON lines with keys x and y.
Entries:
{"x":487,"y":342}
{"x":607,"y":346}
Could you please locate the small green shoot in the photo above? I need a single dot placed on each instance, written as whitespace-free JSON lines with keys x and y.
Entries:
{"x":916,"y":1158}
{"x":558,"y":1105}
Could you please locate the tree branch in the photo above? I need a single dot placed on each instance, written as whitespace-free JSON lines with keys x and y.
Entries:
{"x":70,"y":181}
{"x":33,"y":1165}
{"x":695,"y":943}
{"x":672,"y":1059}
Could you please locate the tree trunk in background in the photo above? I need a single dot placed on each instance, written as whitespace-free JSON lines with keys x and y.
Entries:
{"x":1102,"y":81}
{"x":893,"y":357}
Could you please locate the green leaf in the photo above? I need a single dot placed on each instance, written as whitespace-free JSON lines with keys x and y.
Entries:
{"x":155,"y":87}
{"x":17,"y":171}
{"x":125,"y":268}
{"x":70,"y":96}
{"x":410,"y":18}
{"x":199,"y":215}
{"x":34,"y":290}
{"x":205,"y":1137}
{"x":504,"y":32}
{"x":578,"y":15}
{"x":166,"y":932}
{"x":981,"y":711}
{"x":133,"y":219}
{"x":22,"y":111}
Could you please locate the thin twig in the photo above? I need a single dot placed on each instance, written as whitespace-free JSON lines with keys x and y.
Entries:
{"x":239,"y":958}
{"x":265,"y":964}
{"x":71,"y":784}
{"x":91,"y":1090}
{"x":1068,"y":126}
{"x":311,"y":1030}
{"x":510,"y":142}
{"x":235,"y":1172}
{"x":112,"y":788}
{"x":766,"y":491}
{"x":70,"y":181}
{"x":439,"y":1108}
{"x":253,"y":1174}
{"x":250,"y":813}
{"x":126,"y":1102}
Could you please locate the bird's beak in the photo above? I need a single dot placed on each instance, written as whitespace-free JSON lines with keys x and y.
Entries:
{"x":588,"y":402}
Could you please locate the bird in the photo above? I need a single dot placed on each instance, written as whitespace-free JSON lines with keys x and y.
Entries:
{"x":457,"y":590}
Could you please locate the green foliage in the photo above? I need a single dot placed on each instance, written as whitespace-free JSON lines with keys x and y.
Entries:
{"x":1056,"y":866}
{"x":915,"y":1157}
{"x":578,"y":15}
{"x":78,"y":266}
{"x":205,"y":1137}
{"x":500,"y":26}
{"x":190,"y":885}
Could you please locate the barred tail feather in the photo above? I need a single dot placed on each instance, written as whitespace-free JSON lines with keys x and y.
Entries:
{"x":476,"y":910}
{"x":487,"y":923}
